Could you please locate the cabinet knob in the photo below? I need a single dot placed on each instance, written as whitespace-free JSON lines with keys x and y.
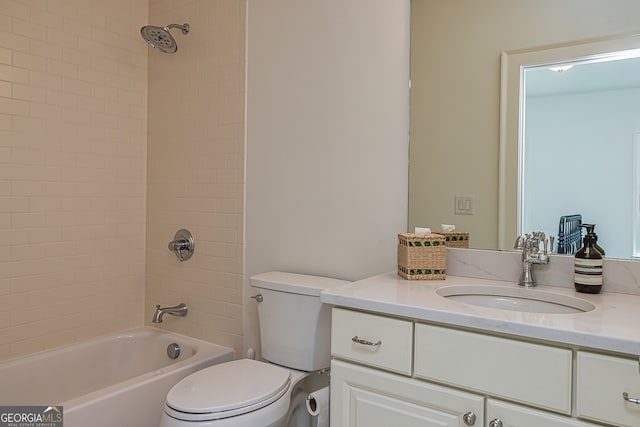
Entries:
{"x":495,"y":423}
{"x":469,"y":418}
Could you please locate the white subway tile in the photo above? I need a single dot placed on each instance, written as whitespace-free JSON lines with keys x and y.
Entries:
{"x":29,"y":93}
{"x":29,"y":30}
{"x":45,"y":80}
{"x":14,"y":106}
{"x":13,"y":74}
{"x":6,"y":122}
{"x":61,"y":38}
{"x":81,"y":169}
{"x":6,"y":89}
{"x":6,"y":56}
{"x":63,"y":69}
{"x":42,"y":17}
{"x":15,"y":9}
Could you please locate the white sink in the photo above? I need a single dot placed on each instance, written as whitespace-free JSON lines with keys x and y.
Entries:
{"x":515,"y":299}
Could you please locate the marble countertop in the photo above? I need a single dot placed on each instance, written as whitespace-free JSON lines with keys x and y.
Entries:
{"x":614,"y":325}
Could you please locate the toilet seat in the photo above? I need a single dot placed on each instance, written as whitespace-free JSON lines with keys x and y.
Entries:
{"x":227,"y":390}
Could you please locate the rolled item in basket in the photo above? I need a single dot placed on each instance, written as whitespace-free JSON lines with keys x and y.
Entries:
{"x":447,"y":227}
{"x":422,"y":231}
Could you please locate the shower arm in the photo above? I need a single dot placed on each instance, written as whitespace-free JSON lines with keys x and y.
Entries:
{"x":184,"y":28}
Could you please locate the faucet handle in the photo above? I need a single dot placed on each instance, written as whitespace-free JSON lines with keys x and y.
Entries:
{"x":519,"y":244}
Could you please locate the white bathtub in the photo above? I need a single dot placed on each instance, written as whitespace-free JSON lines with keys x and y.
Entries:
{"x":120,"y":379}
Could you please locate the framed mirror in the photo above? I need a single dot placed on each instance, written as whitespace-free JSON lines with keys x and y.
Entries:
{"x":455,"y":115}
{"x":569,"y":130}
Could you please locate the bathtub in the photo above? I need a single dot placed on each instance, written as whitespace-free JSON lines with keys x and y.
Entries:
{"x":120,"y":379}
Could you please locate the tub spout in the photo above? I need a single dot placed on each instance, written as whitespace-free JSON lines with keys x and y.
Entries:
{"x":179,"y":310}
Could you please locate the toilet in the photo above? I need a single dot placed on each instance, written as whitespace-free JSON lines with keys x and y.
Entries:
{"x":295,"y":329}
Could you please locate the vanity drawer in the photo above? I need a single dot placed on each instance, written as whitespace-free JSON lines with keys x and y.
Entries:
{"x":534,"y":374}
{"x":601,"y":380}
{"x":385,"y":342}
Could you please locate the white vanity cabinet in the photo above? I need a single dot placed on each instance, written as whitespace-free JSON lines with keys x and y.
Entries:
{"x":390,"y":371}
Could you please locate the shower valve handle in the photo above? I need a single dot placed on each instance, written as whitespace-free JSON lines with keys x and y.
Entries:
{"x":182,"y":244}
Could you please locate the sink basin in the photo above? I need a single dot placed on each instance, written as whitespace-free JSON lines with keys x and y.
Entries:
{"x":515,"y":299}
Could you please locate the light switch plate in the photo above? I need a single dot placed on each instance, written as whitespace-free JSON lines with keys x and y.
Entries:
{"x":464,"y":205}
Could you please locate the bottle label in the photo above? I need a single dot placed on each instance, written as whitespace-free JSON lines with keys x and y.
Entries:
{"x":588,"y":272}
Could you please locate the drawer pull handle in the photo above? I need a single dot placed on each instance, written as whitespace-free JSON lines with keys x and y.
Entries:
{"x":495,"y":423}
{"x":366,"y":342}
{"x":626,"y":397}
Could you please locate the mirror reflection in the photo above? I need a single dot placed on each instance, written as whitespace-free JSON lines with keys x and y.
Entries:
{"x":579,"y":154}
{"x":571,"y":117}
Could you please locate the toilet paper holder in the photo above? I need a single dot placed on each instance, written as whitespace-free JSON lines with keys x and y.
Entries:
{"x":318,"y":406}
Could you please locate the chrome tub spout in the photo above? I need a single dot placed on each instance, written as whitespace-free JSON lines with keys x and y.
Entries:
{"x":179,"y":310}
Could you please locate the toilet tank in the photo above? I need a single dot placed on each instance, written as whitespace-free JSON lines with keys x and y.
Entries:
{"x":295,"y":327}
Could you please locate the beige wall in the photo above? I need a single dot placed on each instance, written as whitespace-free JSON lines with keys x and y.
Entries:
{"x":196,"y":168}
{"x":455,"y":69}
{"x":327,"y":138}
{"x":73,"y":111}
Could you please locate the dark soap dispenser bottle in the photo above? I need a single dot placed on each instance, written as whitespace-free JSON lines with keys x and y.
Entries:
{"x":588,"y":266}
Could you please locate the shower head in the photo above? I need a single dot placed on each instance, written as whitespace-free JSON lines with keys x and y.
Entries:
{"x":160,"y":38}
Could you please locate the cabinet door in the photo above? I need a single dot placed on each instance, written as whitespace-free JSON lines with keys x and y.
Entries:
{"x":518,"y":416}
{"x":365,"y":397}
{"x":601,"y":382}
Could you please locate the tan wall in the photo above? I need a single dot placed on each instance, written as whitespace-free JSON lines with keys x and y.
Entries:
{"x":455,"y":69}
{"x":73,"y":111}
{"x":196,"y":168}
{"x":327,"y":138}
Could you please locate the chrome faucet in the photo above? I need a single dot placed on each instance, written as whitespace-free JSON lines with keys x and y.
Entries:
{"x":531,"y":254}
{"x":179,"y":310}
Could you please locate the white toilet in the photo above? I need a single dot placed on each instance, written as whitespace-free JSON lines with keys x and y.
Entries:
{"x":295,"y":329}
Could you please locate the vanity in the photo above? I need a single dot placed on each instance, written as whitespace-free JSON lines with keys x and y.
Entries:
{"x":420,"y":353}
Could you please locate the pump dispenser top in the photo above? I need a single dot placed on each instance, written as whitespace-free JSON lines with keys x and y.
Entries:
{"x":590,"y":232}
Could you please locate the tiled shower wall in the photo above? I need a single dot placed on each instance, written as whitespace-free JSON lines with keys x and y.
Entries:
{"x":196,"y":167}
{"x":73,"y":119}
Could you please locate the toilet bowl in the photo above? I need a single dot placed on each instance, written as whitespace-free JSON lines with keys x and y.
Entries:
{"x":240,"y":393}
{"x":295,"y":332}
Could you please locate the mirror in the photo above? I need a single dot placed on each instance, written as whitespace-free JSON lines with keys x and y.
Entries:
{"x":456,"y":102}
{"x":570,"y":119}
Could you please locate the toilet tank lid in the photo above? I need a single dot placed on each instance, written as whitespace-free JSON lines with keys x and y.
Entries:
{"x":294,"y":283}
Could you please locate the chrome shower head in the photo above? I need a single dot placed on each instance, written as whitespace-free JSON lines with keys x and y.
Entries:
{"x":160,"y":38}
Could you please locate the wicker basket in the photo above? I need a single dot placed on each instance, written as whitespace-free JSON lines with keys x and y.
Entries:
{"x":422,"y":257}
{"x":455,"y":239}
